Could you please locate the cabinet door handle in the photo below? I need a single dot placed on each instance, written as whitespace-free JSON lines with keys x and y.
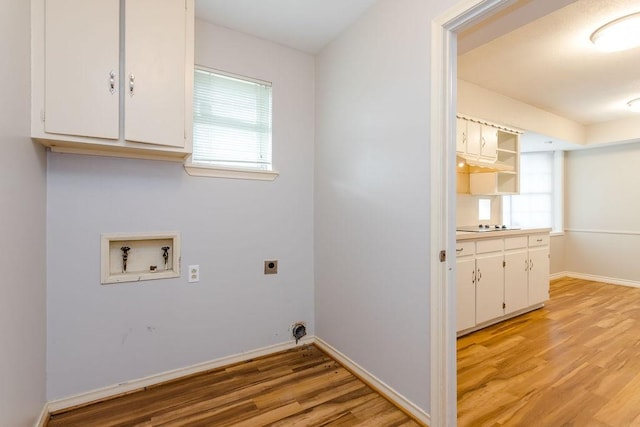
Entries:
{"x":132,"y":79}
{"x":112,"y":82}
{"x":530,"y":265}
{"x":479,"y":276}
{"x":459,"y":250}
{"x":484,"y":141}
{"x":473,"y":276}
{"x":526,"y":265}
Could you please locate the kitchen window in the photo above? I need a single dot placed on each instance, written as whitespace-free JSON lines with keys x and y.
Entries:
{"x":539,"y":204}
{"x":232,"y":123}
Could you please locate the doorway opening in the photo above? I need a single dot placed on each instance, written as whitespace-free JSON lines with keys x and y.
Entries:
{"x":444,"y":51}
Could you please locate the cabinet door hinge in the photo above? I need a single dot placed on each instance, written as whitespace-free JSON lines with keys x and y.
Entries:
{"x":443,"y":256}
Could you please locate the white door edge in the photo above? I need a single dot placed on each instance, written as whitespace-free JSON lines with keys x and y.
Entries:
{"x":443,"y":408}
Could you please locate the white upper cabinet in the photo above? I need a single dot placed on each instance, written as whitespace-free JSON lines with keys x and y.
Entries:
{"x":154,"y":60}
{"x":461,"y":136}
{"x":474,"y":134}
{"x":481,"y":140}
{"x":82,"y":72}
{"x":113,"y":81}
{"x":488,"y":157}
{"x":489,"y":143}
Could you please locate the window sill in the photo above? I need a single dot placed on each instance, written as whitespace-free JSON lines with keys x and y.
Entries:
{"x":232,"y":173}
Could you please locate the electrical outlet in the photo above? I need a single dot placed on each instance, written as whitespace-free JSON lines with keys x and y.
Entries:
{"x":194,"y":273}
{"x":271,"y":267}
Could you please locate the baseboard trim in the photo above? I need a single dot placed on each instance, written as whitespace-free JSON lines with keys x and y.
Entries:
{"x":110,"y":392}
{"x":127,"y":387}
{"x":604,"y":279}
{"x":396,"y":398}
{"x":559,"y":275}
{"x":44,"y":416}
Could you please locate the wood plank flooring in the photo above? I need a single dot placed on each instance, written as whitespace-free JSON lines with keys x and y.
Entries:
{"x":575,"y":362}
{"x":299,"y":387}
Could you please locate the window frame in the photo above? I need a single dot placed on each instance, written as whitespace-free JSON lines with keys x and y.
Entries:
{"x":225,"y":171}
{"x":557,"y":195}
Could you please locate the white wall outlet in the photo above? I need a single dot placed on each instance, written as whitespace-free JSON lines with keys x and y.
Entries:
{"x":194,"y":273}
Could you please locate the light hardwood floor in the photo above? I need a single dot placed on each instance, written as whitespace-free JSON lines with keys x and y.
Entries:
{"x":575,"y":362}
{"x":299,"y":387}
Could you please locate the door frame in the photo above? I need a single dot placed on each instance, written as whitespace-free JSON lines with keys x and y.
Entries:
{"x":444,"y":29}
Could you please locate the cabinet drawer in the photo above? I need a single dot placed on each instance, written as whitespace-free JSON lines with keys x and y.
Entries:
{"x":515,"y":242}
{"x":494,"y":245}
{"x":465,"y":248}
{"x":539,"y":240}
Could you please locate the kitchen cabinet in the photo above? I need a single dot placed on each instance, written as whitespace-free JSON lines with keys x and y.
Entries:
{"x":488,"y":157}
{"x":474,"y":135}
{"x":495,"y":279}
{"x":476,"y":140}
{"x":489,"y":280}
{"x":538,"y":268}
{"x":113,"y":82}
{"x":461,"y":136}
{"x":488,"y":143}
{"x":465,"y":285}
{"x":516,"y":281}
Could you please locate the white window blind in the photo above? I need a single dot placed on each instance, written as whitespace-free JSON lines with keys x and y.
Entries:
{"x":231,"y":121}
{"x":539,"y":203}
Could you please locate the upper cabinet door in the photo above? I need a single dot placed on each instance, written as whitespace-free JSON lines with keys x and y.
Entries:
{"x":473,"y":138}
{"x":82,"y":48}
{"x":154,"y":75}
{"x":461,"y":136}
{"x":489,"y":143}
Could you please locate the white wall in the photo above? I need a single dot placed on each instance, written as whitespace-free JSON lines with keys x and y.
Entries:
{"x":372,"y":193}
{"x":621,"y":130}
{"x":22,"y":227}
{"x":558,"y":250}
{"x":602,"y":211}
{"x":479,"y":102}
{"x":101,"y":335}
{"x":468,"y":211}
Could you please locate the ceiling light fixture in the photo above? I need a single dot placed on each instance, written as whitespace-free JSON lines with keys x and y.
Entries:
{"x":619,"y":34}
{"x":634,"y":105}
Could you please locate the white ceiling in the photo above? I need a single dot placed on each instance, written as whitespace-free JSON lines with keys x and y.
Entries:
{"x":306,"y":25}
{"x":539,"y":50}
{"x":550,"y":63}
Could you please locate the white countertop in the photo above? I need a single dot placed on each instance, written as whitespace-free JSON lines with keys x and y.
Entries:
{"x":471,"y":235}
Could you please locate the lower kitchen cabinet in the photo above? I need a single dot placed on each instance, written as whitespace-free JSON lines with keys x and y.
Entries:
{"x":499,"y":278}
{"x":516,"y":281}
{"x":466,"y":292}
{"x":538,"y":275}
{"x":489,"y":282}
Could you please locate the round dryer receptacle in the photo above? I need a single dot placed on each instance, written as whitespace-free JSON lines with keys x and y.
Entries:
{"x":298,"y":331}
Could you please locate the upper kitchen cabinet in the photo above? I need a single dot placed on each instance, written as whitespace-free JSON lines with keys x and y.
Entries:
{"x":482,"y":141}
{"x":462,"y":139}
{"x":113,"y":78}
{"x":488,"y":157}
